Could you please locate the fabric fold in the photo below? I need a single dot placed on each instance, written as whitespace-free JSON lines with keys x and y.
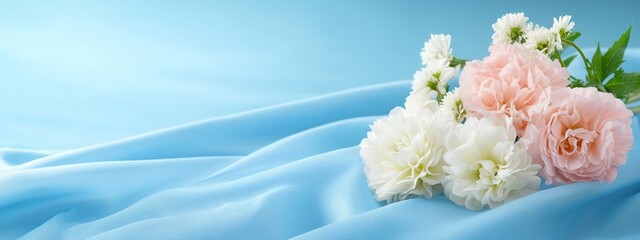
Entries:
{"x":288,"y":171}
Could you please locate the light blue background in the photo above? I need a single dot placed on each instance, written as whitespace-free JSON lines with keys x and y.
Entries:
{"x":85,"y":72}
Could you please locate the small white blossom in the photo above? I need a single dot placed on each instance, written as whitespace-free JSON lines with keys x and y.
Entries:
{"x":452,"y":107}
{"x":435,"y":76}
{"x":421,"y":100}
{"x":486,"y":166}
{"x":562,"y":25}
{"x":510,"y":28}
{"x":403,"y":155}
{"x":437,"y":49}
{"x":542,"y":39}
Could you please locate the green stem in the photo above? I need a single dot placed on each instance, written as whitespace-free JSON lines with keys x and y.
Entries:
{"x":633,"y":104}
{"x":587,"y":64}
{"x":635,"y":110}
{"x":635,"y":96}
{"x":560,"y":59}
{"x":574,"y":78}
{"x":439,"y":97}
{"x":584,"y":58}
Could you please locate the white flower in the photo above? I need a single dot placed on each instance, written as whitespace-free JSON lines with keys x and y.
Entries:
{"x":403,"y":155}
{"x":510,"y":28}
{"x":543,"y":40}
{"x":486,"y":167}
{"x":562,"y":25}
{"x":452,"y":108}
{"x":437,"y":49}
{"x":421,"y":100}
{"x":435,"y":76}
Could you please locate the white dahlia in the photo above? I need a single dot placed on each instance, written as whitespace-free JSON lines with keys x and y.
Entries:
{"x":452,"y":107}
{"x":543,"y":40}
{"x":435,"y":76}
{"x":510,"y":28}
{"x":421,"y":100}
{"x":403,"y":155}
{"x":437,"y":49}
{"x":562,"y":25}
{"x":486,"y":166}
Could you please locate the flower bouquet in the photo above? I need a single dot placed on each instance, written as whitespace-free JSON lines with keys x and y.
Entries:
{"x":517,"y":117}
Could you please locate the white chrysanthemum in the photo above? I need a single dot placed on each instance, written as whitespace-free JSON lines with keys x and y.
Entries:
{"x":542,"y":39}
{"x":562,"y":25}
{"x":435,"y":77}
{"x":403,"y":156}
{"x":421,"y":100}
{"x":486,"y":166}
{"x":437,"y":49}
{"x":452,"y":107}
{"x":510,"y":28}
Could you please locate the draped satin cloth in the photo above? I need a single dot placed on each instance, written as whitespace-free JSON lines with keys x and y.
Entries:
{"x":287,"y":171}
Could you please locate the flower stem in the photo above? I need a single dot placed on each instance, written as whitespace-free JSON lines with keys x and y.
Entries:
{"x":633,"y":102}
{"x":587,"y":64}
{"x":584,"y":58}
{"x":560,"y":59}
{"x":635,"y":96}
{"x":633,"y":107}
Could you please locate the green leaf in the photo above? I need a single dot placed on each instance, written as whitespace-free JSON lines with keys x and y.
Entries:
{"x":575,"y":82}
{"x":568,"y":60}
{"x":595,"y":77}
{"x":622,"y":84}
{"x":456,"y":61}
{"x":433,"y":85}
{"x":613,"y":58}
{"x":573,"y":36}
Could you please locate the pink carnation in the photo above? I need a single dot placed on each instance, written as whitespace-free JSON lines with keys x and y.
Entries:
{"x":583,"y":135}
{"x":512,"y":80}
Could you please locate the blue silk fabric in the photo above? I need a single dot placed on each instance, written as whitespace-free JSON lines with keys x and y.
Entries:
{"x":287,"y":171}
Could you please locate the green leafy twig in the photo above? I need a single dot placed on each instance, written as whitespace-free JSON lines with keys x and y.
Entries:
{"x":602,"y":66}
